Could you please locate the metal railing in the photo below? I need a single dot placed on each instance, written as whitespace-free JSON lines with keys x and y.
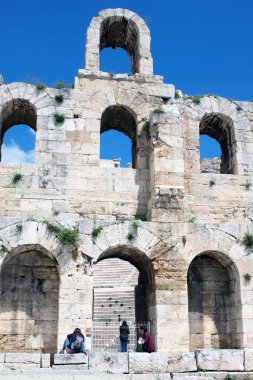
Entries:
{"x":105,"y":336}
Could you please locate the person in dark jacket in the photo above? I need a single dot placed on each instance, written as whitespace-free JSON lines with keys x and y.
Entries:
{"x":74,"y":343}
{"x":124,"y":332}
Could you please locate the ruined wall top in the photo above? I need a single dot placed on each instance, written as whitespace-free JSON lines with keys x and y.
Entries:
{"x":119,"y":28}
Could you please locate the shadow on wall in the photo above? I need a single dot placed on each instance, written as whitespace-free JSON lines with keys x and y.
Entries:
{"x":215,"y":318}
{"x":29,"y":303}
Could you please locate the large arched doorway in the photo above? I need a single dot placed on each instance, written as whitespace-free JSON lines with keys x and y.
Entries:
{"x":214,"y":304}
{"x":123,"y":290}
{"x":29,"y":302}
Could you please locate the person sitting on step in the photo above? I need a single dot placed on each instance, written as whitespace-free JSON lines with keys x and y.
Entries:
{"x":74,"y":343}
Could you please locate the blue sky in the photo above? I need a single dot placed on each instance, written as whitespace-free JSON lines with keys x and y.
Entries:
{"x":200,"y":46}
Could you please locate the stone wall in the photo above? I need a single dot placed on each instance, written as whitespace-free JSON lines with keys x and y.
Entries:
{"x":183,"y":213}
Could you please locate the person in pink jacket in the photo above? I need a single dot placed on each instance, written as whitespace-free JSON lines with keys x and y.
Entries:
{"x":149,"y":340}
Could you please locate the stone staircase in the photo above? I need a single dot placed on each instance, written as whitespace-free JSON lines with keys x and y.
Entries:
{"x":114,"y":301}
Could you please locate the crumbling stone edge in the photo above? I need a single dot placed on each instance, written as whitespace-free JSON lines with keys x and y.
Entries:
{"x":225,"y":360}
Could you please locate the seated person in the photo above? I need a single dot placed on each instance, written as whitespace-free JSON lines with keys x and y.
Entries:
{"x":74,"y":343}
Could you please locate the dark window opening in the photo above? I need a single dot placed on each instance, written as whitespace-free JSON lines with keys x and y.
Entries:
{"x":220,"y":128}
{"x":119,"y":119}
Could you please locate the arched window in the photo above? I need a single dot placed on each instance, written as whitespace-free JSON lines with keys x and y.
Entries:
{"x":119,"y":118}
{"x":218,"y":127}
{"x":17,"y":131}
{"x":118,"y":32}
{"x":215,"y":319}
{"x":119,"y":28}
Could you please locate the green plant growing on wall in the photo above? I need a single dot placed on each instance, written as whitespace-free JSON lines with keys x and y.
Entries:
{"x":67,"y":236}
{"x":135,"y":225}
{"x":58,"y":118}
{"x":211,"y":183}
{"x":177,"y":95}
{"x":247,"y":277}
{"x":59,"y":99}
{"x":16,"y":178}
{"x":133,"y":230}
{"x":193,"y":219}
{"x":146,"y":126}
{"x":40,"y":86}
{"x":96,"y":231}
{"x":19,"y":228}
{"x":158,"y":110}
{"x":196,"y":99}
{"x":247,"y":185}
{"x":230,"y":377}
{"x":60,"y":84}
{"x":130,"y":236}
{"x":3,"y":249}
{"x":248,"y":240}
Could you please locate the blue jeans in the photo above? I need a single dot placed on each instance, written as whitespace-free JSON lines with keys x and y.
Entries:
{"x":123,"y":342}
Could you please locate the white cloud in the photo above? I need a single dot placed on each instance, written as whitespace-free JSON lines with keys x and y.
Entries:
{"x":13,"y":153}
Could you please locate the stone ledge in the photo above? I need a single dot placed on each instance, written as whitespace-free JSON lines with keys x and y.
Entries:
{"x":183,"y":363}
{"x":156,"y":362}
{"x":22,"y":358}
{"x":220,"y":360}
{"x":65,"y":359}
{"x":111,"y":362}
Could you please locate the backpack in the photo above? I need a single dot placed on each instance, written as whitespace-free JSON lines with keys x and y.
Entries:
{"x":77,"y":342}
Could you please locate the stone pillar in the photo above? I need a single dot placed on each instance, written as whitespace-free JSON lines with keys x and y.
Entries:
{"x":75,"y":304}
{"x":166,"y":167}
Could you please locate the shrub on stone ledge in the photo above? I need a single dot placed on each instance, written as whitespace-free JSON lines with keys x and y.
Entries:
{"x":58,"y":118}
{"x":67,"y":236}
{"x":58,"y":98}
{"x":40,"y":86}
{"x":16,"y":178}
{"x":248,"y":240}
{"x":158,"y":110}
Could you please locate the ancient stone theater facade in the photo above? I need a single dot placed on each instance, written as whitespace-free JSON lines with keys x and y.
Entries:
{"x":187,"y":228}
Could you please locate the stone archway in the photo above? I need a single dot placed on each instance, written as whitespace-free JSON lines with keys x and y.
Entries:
{"x":126,"y":291}
{"x":29,"y":301}
{"x":214,"y":304}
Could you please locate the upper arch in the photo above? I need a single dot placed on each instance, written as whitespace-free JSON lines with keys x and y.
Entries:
{"x":119,"y":28}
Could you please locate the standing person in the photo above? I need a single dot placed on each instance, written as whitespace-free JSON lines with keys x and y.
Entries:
{"x":149,"y":340}
{"x":74,"y":343}
{"x":124,"y":332}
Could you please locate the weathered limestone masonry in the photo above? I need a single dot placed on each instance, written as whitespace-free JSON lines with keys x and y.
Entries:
{"x":188,"y":245}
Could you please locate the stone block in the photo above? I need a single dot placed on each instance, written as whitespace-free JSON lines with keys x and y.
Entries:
{"x":156,"y":362}
{"x":70,"y":367}
{"x":20,"y":366}
{"x":45,"y":360}
{"x":22,"y":358}
{"x":110,"y":361}
{"x":220,"y":360}
{"x":183,"y":363}
{"x":248,"y":360}
{"x":70,"y":359}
